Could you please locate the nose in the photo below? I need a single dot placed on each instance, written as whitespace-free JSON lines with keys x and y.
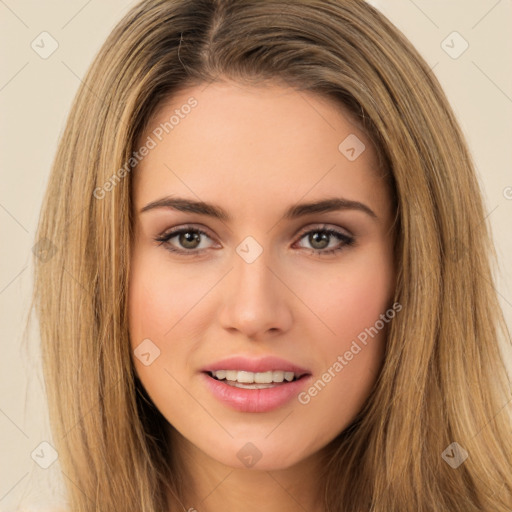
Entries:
{"x":257,"y":302}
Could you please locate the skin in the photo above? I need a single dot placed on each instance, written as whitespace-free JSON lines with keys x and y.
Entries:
{"x":254,"y":151}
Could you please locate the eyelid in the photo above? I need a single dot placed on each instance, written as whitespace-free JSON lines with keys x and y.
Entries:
{"x":323,"y":226}
{"x":204,"y":230}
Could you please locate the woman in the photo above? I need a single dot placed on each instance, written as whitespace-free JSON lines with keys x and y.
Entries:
{"x":201,"y":350}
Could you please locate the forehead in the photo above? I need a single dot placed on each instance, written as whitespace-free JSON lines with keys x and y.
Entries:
{"x":245,"y":144}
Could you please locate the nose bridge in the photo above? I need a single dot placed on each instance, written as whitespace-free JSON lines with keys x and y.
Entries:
{"x":253,"y":275}
{"x":254,"y":299}
{"x":254,"y":283}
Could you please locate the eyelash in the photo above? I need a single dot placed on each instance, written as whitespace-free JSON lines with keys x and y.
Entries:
{"x":166,"y":237}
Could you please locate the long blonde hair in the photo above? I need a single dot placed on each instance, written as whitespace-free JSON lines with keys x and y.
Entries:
{"x":443,"y":380}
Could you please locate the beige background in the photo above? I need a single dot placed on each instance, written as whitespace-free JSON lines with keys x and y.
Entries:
{"x":35,"y":96}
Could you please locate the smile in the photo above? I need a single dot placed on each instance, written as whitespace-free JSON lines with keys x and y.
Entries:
{"x":260,"y":380}
{"x":255,"y":397}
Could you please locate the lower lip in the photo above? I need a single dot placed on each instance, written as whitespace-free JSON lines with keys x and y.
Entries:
{"x":255,"y":400}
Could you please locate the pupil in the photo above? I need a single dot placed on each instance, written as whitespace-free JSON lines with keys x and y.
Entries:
{"x":318,"y":235}
{"x":188,"y":239}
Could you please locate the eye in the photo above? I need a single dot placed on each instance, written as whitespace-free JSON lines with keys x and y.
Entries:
{"x":189,"y":241}
{"x":188,"y":238}
{"x":322,"y":236}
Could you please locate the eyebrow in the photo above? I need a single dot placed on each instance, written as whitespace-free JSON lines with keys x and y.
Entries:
{"x":293,"y":212}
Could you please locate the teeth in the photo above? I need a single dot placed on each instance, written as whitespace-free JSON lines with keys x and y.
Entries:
{"x":278,"y":376}
{"x":221,"y":374}
{"x":244,"y":377}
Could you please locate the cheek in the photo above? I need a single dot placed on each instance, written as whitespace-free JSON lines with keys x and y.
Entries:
{"x":166,"y":306}
{"x":158,"y":302}
{"x":159,"y":299}
{"x":154,"y":308}
{"x":356,"y":304}
{"x":362,"y":297}
{"x":351,"y":297}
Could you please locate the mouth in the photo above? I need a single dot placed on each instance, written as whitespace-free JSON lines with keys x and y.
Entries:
{"x":255,"y":392}
{"x":255,"y":380}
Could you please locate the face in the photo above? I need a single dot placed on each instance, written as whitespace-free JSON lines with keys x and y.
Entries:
{"x":254,"y":286}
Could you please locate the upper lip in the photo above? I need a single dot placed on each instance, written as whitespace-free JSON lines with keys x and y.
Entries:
{"x":263,"y":364}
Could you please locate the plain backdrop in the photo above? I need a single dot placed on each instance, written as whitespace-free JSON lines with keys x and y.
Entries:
{"x":36,"y":91}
